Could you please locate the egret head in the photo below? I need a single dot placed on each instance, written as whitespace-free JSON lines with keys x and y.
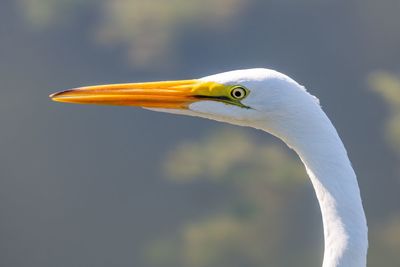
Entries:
{"x":248,"y":97}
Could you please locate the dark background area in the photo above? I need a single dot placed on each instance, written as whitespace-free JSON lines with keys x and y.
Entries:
{"x":85,"y":186}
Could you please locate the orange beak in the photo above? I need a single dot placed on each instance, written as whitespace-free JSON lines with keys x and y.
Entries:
{"x":168,"y":94}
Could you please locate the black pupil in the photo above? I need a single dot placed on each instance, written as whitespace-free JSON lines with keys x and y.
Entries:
{"x":238,"y":93}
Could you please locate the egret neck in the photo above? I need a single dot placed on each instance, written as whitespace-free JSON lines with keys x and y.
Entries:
{"x":320,"y":148}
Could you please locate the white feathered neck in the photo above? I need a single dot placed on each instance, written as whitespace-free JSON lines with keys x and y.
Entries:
{"x":345,"y":229}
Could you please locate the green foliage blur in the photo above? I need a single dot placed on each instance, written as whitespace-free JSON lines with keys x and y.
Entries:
{"x":388,"y":87}
{"x":101,"y":186}
{"x":255,"y":223}
{"x":148,"y":30}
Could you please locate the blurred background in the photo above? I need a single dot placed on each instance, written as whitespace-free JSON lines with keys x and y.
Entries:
{"x":114,"y":186}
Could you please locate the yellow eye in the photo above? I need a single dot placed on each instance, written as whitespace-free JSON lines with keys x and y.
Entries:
{"x":238,"y":92}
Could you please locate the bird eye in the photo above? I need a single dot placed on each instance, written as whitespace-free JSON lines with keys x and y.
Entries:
{"x":238,"y":92}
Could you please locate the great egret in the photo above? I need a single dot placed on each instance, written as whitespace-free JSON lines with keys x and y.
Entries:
{"x":273,"y":102}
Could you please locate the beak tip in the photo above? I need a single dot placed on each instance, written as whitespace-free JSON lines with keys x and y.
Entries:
{"x":56,"y":96}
